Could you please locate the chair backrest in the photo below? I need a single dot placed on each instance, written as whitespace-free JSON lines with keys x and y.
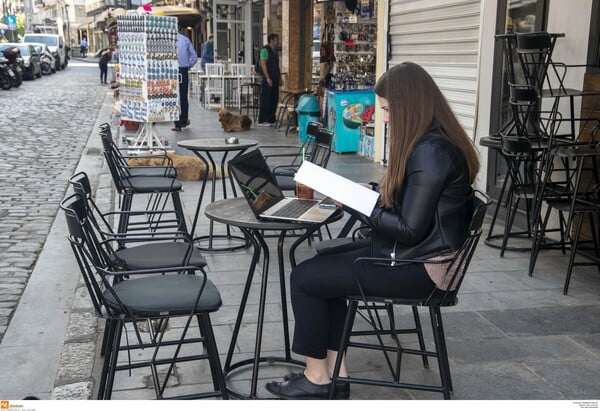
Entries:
{"x":525,"y":106}
{"x":81,"y":186}
{"x":196,"y":68}
{"x":312,"y":128}
{"x":85,"y":248}
{"x":114,"y":159}
{"x":215,"y":69}
{"x":241,"y":70}
{"x":90,"y":258}
{"x":535,"y":55}
{"x":321,"y":149}
{"x":462,"y":258}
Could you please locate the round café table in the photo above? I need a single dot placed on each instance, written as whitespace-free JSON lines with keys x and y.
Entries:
{"x":236,"y":212}
{"x":203,"y":149}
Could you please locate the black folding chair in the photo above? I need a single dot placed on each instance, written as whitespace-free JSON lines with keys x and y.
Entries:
{"x":130,"y":296}
{"x":128,"y":184}
{"x":457,"y":267}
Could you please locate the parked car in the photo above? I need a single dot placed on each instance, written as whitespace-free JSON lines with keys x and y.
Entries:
{"x":31,"y":62}
{"x":55,"y":43}
{"x":46,"y":58}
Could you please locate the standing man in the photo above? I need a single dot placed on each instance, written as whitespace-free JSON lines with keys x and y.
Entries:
{"x":269,"y":69}
{"x":208,"y":53}
{"x":105,"y":57}
{"x":187,"y":57}
{"x":83,"y":47}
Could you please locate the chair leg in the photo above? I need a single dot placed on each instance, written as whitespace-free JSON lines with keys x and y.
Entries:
{"x":213,"y":372}
{"x":106,"y":352}
{"x":574,"y":244}
{"x":124,"y":218}
{"x":105,"y":337}
{"x":111,"y":361}
{"x":440,"y":347}
{"x":538,"y":238}
{"x":512,"y":212}
{"x":420,"y":335}
{"x":213,"y":355}
{"x":343,"y":345}
{"x":179,"y":210}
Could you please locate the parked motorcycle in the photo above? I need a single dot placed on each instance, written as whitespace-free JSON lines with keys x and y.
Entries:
{"x":7,"y":77}
{"x":46,"y":64}
{"x":13,"y":60}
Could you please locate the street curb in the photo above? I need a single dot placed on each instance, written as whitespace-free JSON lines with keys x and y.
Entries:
{"x":74,"y":376}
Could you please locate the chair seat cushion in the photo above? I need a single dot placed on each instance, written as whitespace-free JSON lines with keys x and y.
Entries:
{"x":153,"y":171}
{"x":159,"y":295}
{"x":151,"y":184}
{"x":158,"y":255}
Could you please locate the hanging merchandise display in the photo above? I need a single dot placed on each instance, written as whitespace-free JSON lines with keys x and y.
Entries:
{"x":350,"y":100}
{"x":148,"y":80}
{"x":354,"y":47}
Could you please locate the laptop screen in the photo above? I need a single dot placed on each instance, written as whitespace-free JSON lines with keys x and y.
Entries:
{"x":256,"y":181}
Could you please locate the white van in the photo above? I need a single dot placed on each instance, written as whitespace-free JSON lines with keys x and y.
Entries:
{"x":55,"y":43}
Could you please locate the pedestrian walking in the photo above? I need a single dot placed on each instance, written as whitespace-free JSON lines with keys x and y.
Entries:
{"x":187,"y":57}
{"x":208,"y":52}
{"x":83,"y":46}
{"x":105,"y":57}
{"x":269,"y":69}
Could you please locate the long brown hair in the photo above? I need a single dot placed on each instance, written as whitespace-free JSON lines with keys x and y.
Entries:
{"x":414,"y":102}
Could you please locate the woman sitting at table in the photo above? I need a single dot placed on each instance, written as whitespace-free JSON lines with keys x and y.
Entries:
{"x":424,"y":211}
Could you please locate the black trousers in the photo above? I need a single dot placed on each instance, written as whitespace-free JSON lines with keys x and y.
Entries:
{"x":184,"y":85}
{"x":103,"y":71}
{"x":268,"y":102}
{"x":317,"y":288}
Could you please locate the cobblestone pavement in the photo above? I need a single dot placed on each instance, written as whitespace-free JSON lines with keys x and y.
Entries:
{"x":44,"y":128}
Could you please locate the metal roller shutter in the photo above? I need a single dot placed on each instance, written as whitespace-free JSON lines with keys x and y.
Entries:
{"x":443,"y":37}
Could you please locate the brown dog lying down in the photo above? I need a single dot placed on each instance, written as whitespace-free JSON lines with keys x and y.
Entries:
{"x":233,"y":122}
{"x":188,"y":167}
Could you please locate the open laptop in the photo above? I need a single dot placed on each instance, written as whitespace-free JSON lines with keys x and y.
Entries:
{"x":265,"y":198}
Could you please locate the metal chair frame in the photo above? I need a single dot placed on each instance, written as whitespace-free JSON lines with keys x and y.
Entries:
{"x":104,"y":285}
{"x":458,"y":265}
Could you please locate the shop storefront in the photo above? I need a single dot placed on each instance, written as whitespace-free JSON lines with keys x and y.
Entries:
{"x":346,"y":72}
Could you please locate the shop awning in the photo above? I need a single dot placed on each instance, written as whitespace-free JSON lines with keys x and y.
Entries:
{"x":187,"y":16}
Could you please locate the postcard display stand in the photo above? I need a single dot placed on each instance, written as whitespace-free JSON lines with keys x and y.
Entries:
{"x":148,"y":83}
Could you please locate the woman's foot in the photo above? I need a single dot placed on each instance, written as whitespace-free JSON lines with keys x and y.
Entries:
{"x":342,"y":390}
{"x":298,"y":387}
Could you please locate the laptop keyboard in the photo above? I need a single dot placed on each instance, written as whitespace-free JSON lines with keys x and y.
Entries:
{"x":294,"y":208}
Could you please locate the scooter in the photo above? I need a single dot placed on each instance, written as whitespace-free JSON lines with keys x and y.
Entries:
{"x":13,"y":62}
{"x":46,"y":64}
{"x":6,"y":77}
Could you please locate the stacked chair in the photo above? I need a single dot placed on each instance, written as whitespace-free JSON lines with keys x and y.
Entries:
{"x":143,"y":276}
{"x":547,"y":152}
{"x":578,"y":199}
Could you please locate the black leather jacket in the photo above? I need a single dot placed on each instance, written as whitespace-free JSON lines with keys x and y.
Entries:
{"x":432,"y":211}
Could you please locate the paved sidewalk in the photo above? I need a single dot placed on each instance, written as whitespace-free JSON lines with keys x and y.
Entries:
{"x":510,"y":336}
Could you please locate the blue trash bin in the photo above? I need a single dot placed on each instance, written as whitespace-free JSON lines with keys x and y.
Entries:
{"x":308,"y":110}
